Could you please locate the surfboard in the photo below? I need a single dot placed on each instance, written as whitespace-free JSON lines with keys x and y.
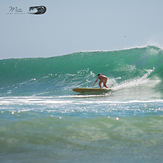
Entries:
{"x":91,"y":90}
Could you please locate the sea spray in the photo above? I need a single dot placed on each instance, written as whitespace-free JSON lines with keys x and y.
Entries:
{"x":58,"y":75}
{"x":43,"y":120}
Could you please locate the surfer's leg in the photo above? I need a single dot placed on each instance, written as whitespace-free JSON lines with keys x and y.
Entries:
{"x":100,"y":84}
{"x":104,"y":83}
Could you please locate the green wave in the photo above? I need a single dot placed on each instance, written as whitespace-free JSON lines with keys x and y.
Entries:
{"x":79,"y":69}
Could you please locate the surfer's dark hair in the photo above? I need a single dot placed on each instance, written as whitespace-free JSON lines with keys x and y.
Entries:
{"x":99,"y":74}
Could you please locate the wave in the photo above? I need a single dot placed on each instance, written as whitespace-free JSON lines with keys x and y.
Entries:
{"x":140,"y":68}
{"x":80,"y":138}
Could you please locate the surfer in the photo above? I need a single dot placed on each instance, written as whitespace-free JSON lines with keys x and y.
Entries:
{"x":103,"y":79}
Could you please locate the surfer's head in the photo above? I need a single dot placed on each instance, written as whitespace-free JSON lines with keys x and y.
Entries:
{"x":99,"y":74}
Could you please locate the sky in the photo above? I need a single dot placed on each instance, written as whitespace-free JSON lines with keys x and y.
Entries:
{"x":70,"y":26}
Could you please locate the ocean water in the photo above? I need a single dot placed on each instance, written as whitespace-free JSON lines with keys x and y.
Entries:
{"x":43,"y":120}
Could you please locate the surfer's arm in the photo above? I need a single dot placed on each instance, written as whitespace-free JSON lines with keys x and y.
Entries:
{"x":95,"y":81}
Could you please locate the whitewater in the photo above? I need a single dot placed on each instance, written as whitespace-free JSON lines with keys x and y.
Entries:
{"x":43,"y":120}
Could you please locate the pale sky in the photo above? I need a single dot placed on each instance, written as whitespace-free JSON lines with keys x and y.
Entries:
{"x":70,"y":26}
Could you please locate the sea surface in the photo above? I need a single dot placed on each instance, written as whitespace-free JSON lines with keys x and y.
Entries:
{"x":43,"y":120}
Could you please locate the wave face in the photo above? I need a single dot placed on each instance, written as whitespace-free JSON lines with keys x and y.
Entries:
{"x":132,"y":73}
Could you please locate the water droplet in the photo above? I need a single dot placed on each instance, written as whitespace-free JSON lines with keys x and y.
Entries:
{"x":117,"y":118}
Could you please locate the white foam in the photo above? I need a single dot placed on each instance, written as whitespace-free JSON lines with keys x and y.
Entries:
{"x":144,"y":80}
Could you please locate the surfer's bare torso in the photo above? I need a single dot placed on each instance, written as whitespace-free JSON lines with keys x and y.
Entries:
{"x":103,"y":79}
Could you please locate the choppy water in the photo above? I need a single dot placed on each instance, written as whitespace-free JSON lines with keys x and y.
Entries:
{"x":42,"y":119}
